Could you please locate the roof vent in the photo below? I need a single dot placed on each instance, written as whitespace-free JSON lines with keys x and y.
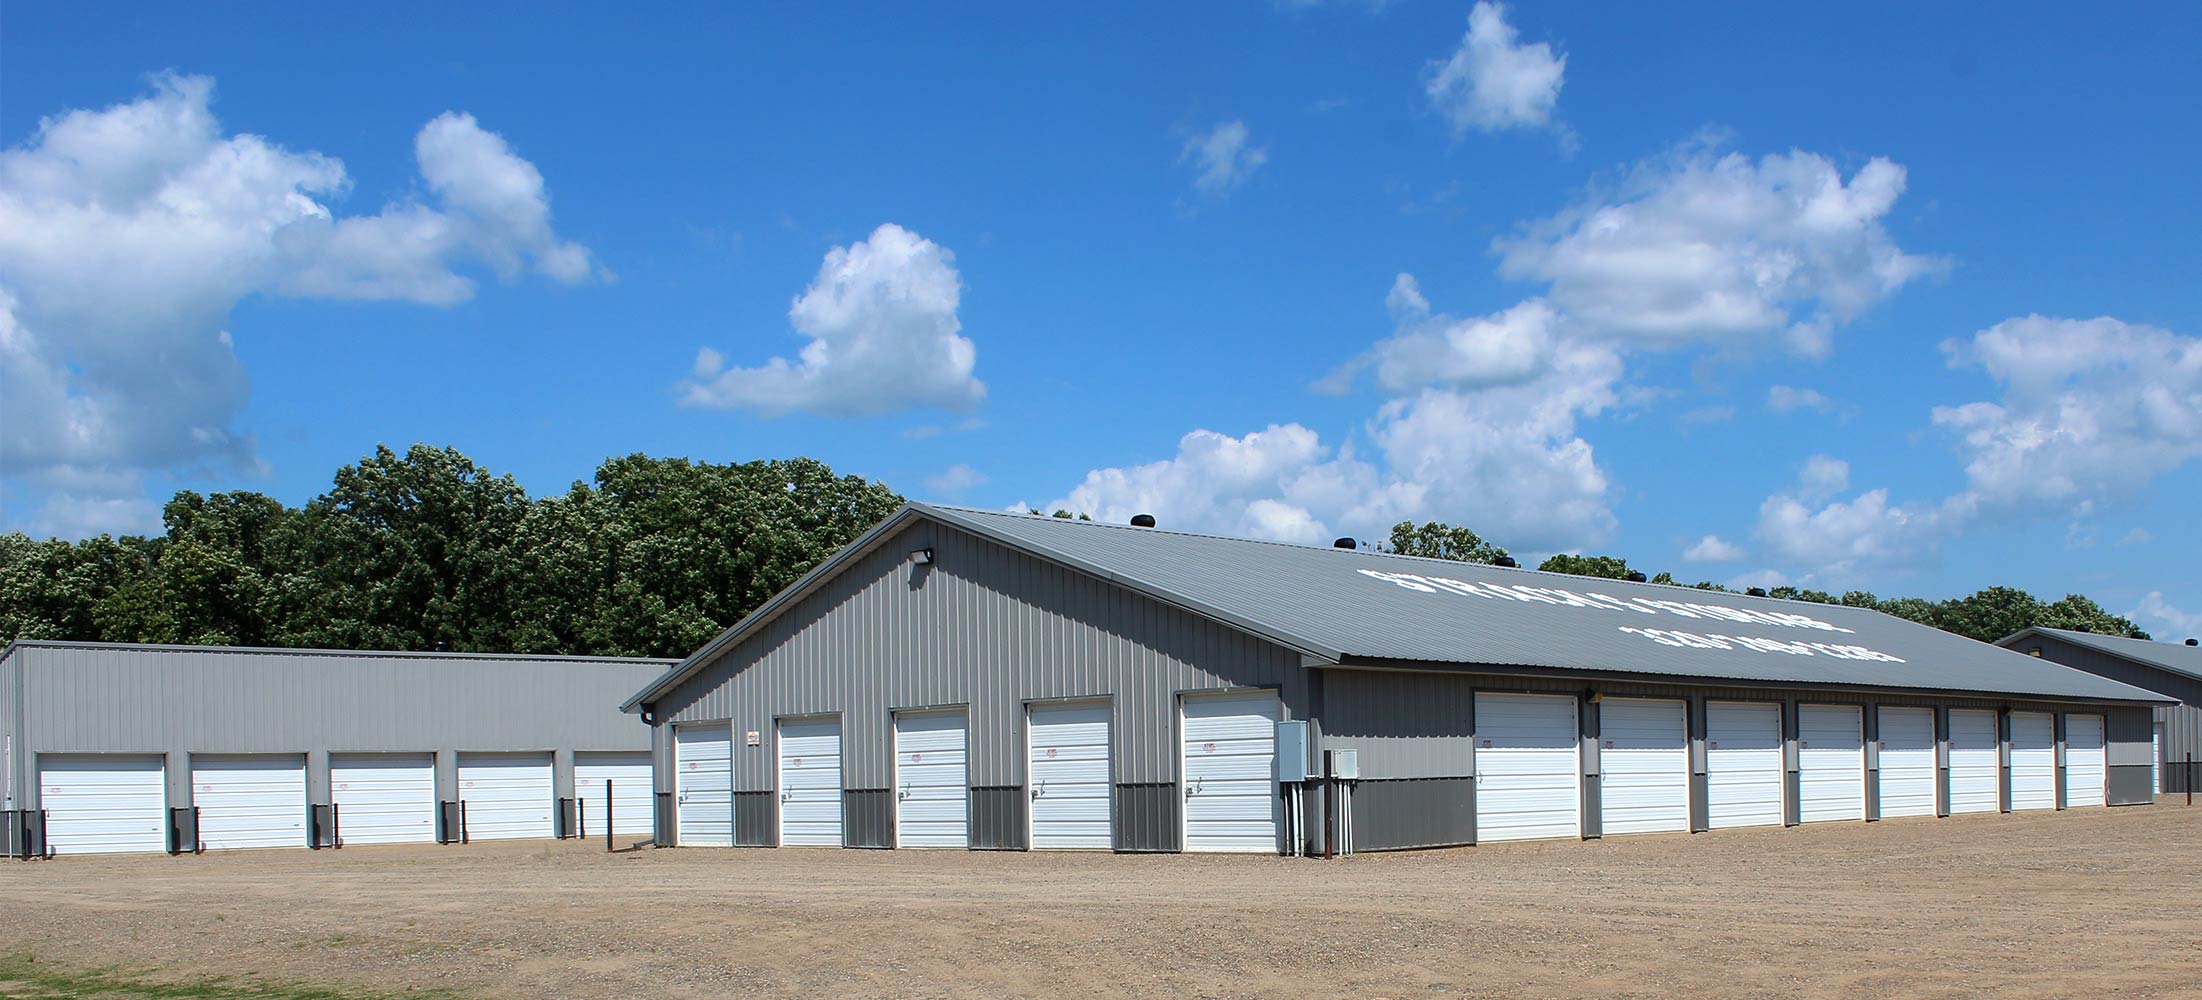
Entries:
{"x":1505,"y":561}
{"x":1755,"y":592}
{"x":1636,"y":577}
{"x":1345,"y":543}
{"x":1143,"y":520}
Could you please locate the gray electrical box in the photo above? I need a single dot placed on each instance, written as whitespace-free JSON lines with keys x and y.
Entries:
{"x":1345,"y":764}
{"x":1292,"y":752}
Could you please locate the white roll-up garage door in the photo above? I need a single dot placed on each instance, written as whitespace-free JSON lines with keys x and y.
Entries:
{"x":249,"y":800}
{"x":1831,"y":763}
{"x":1974,"y":764}
{"x":1743,"y":764}
{"x":629,"y":773}
{"x":1230,"y":772}
{"x":506,"y":796}
{"x":703,"y":785}
{"x":932,"y":797}
{"x":2086,"y":766}
{"x":1907,"y":762}
{"x":1068,"y":776}
{"x":2033,"y":761}
{"x":103,"y":803}
{"x":1528,"y":767}
{"x":810,"y":783}
{"x":1644,"y":754}
{"x":384,"y":798}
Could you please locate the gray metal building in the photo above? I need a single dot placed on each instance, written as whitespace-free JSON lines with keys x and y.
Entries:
{"x":2169,"y":669}
{"x":969,"y":678}
{"x":111,"y":748}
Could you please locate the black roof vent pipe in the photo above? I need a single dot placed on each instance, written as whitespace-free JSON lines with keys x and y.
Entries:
{"x":1636,"y":577}
{"x":2192,"y":642}
{"x":1143,"y":520}
{"x":1345,"y":543}
{"x":1755,"y":592}
{"x":1505,"y":561}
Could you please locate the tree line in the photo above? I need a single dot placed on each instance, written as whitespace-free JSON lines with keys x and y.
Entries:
{"x":428,"y":550}
{"x":1987,"y":615}
{"x":653,"y":557}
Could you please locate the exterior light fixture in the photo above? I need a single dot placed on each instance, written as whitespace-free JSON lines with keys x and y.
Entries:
{"x":921,"y":557}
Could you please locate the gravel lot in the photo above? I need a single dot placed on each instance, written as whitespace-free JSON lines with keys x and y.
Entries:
{"x":2081,"y":904}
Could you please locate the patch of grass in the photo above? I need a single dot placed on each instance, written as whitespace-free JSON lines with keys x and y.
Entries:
{"x":23,"y":977}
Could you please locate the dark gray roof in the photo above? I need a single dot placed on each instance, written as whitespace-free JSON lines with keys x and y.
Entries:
{"x":2174,"y":657}
{"x":1357,"y":606}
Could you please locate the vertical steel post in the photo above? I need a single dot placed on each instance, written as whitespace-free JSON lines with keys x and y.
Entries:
{"x":607,"y":815}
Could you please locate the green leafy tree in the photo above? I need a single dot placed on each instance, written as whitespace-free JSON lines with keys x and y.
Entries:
{"x":1990,"y":614}
{"x":1605,"y":567}
{"x":1438,"y":540}
{"x":2079,"y":614}
{"x":672,"y":552}
{"x":54,"y":589}
{"x":1914,"y":609}
{"x":413,"y":551}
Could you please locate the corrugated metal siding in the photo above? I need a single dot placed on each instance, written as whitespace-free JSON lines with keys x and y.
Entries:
{"x":13,"y":776}
{"x":1410,"y":813}
{"x":2182,"y":723}
{"x":983,"y":626}
{"x":1149,"y":817}
{"x":998,"y":819}
{"x":756,"y":819}
{"x":868,"y":817}
{"x":1403,"y":725}
{"x":2182,"y":743}
{"x":123,"y":699}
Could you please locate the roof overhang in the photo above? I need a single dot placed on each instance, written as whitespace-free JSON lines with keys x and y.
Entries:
{"x":1686,"y":680}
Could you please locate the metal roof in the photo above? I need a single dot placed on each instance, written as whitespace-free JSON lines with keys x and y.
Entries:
{"x":446,"y":654}
{"x":2174,"y":657}
{"x":1341,"y":606}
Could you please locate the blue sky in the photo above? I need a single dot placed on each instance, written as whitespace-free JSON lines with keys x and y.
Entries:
{"x":1863,"y":297}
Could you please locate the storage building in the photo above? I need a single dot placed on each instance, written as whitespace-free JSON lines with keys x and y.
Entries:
{"x":2171,"y":670}
{"x":969,"y":678}
{"x":118,"y":748}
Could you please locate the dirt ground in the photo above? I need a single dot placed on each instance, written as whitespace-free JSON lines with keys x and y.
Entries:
{"x":2082,"y":904}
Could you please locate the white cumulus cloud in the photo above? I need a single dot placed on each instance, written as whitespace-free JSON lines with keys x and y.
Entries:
{"x":956,"y":480}
{"x":1712,"y":548}
{"x":2090,"y":410}
{"x":1702,"y":247}
{"x":2154,"y":609}
{"x":1492,"y":81}
{"x":1223,"y":157}
{"x":881,"y":318}
{"x":1836,"y":538}
{"x":1503,"y":349}
{"x":1789,"y":399}
{"x":1473,"y":432}
{"x":129,"y":233}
